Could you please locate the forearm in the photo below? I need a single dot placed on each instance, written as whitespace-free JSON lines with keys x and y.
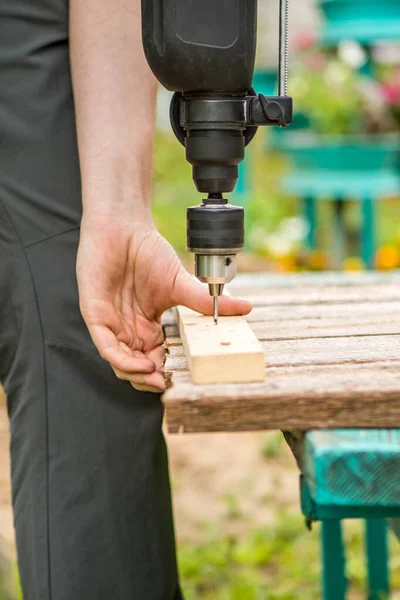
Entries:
{"x":114,"y":94}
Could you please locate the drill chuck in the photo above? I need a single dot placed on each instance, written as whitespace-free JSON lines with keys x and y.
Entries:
{"x":215,"y":234}
{"x":215,"y":227}
{"x":216,"y":270}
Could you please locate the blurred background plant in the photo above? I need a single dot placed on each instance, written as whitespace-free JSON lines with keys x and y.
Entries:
{"x":334,"y":95}
{"x":390,"y":89}
{"x":9,"y":587}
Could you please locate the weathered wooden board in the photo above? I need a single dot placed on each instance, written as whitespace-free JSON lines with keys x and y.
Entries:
{"x":338,"y":310}
{"x":291,"y":398}
{"x":377,"y":323}
{"x":262,"y":281}
{"x":315,"y":351}
{"x":225,"y":353}
{"x":328,"y":295}
{"x":331,"y":353}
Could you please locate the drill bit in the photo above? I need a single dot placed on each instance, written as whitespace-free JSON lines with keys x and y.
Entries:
{"x":215,"y":299}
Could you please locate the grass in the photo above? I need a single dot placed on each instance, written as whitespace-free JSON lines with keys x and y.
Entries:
{"x":271,"y":563}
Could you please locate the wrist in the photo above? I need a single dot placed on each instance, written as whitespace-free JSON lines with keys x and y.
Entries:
{"x":110,"y":201}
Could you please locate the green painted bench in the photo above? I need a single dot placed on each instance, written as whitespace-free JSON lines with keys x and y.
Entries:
{"x":349,"y":474}
{"x":332,"y":360}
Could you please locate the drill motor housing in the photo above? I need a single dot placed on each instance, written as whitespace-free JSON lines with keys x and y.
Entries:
{"x":204,"y":51}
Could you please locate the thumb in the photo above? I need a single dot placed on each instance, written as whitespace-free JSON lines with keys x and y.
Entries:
{"x":189,"y":292}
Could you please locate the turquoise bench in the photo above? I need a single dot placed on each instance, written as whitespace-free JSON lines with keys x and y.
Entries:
{"x":355,"y":168}
{"x":361,"y":20}
{"x":348,"y":474}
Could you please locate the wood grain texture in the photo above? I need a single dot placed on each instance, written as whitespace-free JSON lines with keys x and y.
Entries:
{"x":225,"y":353}
{"x":331,"y":354}
{"x":267,"y":328}
{"x":329,"y":295}
{"x":291,"y":398}
{"x":315,"y":351}
{"x":260,"y":281}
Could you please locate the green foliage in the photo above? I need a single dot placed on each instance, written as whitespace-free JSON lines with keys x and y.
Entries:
{"x":232,"y":506}
{"x":279,"y":562}
{"x":270,"y":563}
{"x":330,"y":97}
{"x":272,"y":445}
{"x":9,"y":582}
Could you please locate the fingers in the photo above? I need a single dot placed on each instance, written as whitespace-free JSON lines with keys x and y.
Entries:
{"x":232,"y":306}
{"x":151,"y":383}
{"x":118,"y":354}
{"x":155,"y":382}
{"x":142,"y":381}
{"x":146,"y":382}
{"x":146,"y":388}
{"x":193,"y":294}
{"x":143,"y":371}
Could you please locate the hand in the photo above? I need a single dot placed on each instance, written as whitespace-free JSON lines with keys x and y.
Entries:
{"x":128,"y":275}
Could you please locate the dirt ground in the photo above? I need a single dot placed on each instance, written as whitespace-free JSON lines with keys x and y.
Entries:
{"x":212,"y":475}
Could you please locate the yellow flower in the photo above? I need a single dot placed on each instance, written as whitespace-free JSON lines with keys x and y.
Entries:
{"x":318,"y":260}
{"x":387,"y":257}
{"x":353,"y":263}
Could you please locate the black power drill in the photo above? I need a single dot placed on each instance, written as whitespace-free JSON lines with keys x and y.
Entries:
{"x":204,"y":51}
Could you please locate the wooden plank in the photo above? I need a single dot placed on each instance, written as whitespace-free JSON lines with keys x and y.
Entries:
{"x":353,"y":468}
{"x":319,"y":311}
{"x":262,"y":281}
{"x":379,"y":323}
{"x":316,"y":351}
{"x":323,"y":295}
{"x":225,"y":353}
{"x":360,"y":312}
{"x":290,"y":398}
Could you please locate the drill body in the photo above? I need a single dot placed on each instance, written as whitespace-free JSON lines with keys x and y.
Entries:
{"x":204,"y":51}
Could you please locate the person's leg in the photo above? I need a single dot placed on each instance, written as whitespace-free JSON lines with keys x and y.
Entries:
{"x":89,"y":467}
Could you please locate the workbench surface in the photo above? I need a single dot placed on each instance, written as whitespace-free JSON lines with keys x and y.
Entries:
{"x":332,"y":358}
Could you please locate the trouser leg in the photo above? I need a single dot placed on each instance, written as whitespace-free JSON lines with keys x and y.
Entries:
{"x":89,"y":466}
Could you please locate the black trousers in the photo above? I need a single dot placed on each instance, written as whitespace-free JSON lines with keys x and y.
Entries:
{"x":90,"y":482}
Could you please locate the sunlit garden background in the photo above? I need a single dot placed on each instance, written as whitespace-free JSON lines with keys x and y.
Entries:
{"x":325,"y":194}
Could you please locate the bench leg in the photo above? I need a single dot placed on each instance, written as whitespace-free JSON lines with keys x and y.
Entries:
{"x":333,"y":559}
{"x":339,"y":233}
{"x":377,"y":558}
{"x":368,"y":238}
{"x":310,"y":216}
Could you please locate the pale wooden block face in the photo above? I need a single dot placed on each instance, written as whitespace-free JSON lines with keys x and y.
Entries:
{"x":225,"y":353}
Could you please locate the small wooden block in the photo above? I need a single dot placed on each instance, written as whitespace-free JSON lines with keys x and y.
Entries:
{"x":225,"y":353}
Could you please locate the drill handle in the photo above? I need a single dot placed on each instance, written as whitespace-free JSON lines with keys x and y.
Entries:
{"x":268,"y":110}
